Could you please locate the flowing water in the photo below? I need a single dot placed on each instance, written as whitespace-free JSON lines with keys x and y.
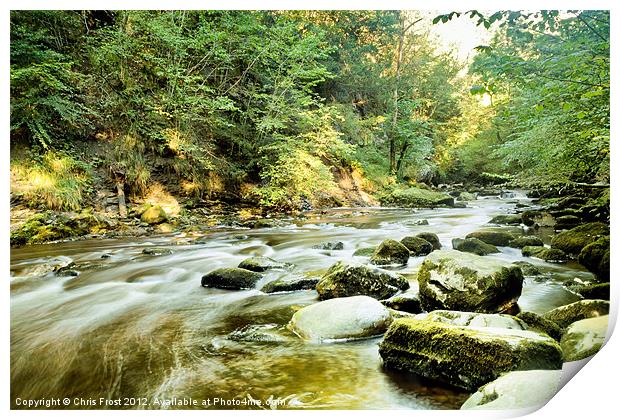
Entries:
{"x":142,"y":329}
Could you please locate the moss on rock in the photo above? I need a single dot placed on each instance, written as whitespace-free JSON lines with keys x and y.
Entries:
{"x":343,"y":280}
{"x":584,"y":338}
{"x":593,"y":291}
{"x":574,"y":240}
{"x":492,"y":237}
{"x":154,"y":215}
{"x":567,"y":314}
{"x":390,"y":252}
{"x":466,"y":357}
{"x":260,"y":264}
{"x":539,"y":324}
{"x":431,"y":238}
{"x":474,"y":246}
{"x":546,"y":254}
{"x":595,"y":257}
{"x":364,"y":252}
{"x":290,"y":285}
{"x":417,"y":246}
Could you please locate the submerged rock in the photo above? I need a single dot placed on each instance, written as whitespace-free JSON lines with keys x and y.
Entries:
{"x":417,"y":246}
{"x":473,"y":246}
{"x":567,"y":314}
{"x":156,"y":251}
{"x":343,"y":280}
{"x":267,"y":333}
{"x":595,"y":257}
{"x":539,"y":324}
{"x":430,"y":238}
{"x":290,"y":285}
{"x":506,"y":219}
{"x":465,"y":356}
{"x":574,"y":240}
{"x":330,"y":246}
{"x":584,"y":338}
{"x":516,"y":390}
{"x":406,"y":302}
{"x":231,"y":278}
{"x":260,"y":264}
{"x":154,"y":215}
{"x":464,"y":282}
{"x":390,"y":252}
{"x":523,"y":241}
{"x":342,"y":318}
{"x":492,"y":237}
{"x":546,"y":254}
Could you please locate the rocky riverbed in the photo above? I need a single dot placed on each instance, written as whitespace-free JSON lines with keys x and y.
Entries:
{"x":343,"y":308}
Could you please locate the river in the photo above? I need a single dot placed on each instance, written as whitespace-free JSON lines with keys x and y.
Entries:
{"x":137,"y":326}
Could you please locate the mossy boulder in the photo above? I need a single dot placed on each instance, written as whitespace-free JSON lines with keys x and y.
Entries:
{"x":260,"y":264}
{"x":464,"y":356}
{"x":527,"y":268}
{"x":154,"y":215}
{"x":593,"y":291}
{"x":474,"y":319}
{"x":406,"y":302}
{"x":231,"y":278}
{"x":390,"y":252}
{"x":417,"y":246}
{"x":290,"y":285}
{"x":574,"y":240}
{"x":466,"y":196}
{"x":342,"y":280}
{"x":341,"y":319}
{"x":431,"y":238}
{"x":524,"y":389}
{"x":595,"y":257}
{"x":492,"y":237}
{"x":576,"y":311}
{"x":545,"y":254}
{"x":584,"y":338}
{"x":414,"y":197}
{"x":506,"y":219}
{"x":474,"y":246}
{"x":539,"y":324}
{"x":461,"y":281}
{"x":364,"y":252}
{"x":523,"y":241}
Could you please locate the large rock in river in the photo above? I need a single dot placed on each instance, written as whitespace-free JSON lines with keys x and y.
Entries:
{"x":506,"y":219}
{"x":492,"y":237}
{"x":417,"y":246}
{"x":259,"y":264}
{"x":342,"y":318}
{"x":473,"y":246}
{"x":465,"y":282}
{"x":587,"y":308}
{"x":231,"y":278}
{"x":465,"y":356}
{"x":516,"y":390}
{"x":474,"y":319}
{"x":390,"y":252}
{"x":595,"y":257}
{"x":574,"y":240}
{"x":343,"y":280}
{"x":584,"y":338}
{"x":431,"y":238}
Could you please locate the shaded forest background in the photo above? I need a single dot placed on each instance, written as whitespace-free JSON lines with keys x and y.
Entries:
{"x":288,"y":108}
